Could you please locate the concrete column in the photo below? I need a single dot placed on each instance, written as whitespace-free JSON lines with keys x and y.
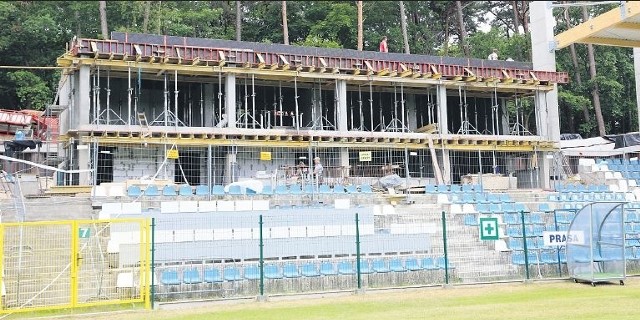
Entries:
{"x":83,"y":164}
{"x":443,"y":128}
{"x":344,"y":161}
{"x":64,"y":100}
{"x":341,"y":87}
{"x":230,"y":167}
{"x":82,"y":107}
{"x":441,"y":97}
{"x":412,"y":119}
{"x":544,"y":59}
{"x":230,"y":100}
{"x":209,"y":104}
{"x":504,"y":118}
{"x":636,"y":68}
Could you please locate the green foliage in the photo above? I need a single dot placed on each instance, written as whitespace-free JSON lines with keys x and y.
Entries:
{"x":31,"y":90}
{"x":315,"y":41}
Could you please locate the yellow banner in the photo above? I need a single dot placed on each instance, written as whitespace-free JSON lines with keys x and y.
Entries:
{"x":265,"y":156}
{"x":172,"y":154}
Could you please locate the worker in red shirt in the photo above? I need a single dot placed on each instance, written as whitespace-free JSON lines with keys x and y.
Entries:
{"x":383,"y":45}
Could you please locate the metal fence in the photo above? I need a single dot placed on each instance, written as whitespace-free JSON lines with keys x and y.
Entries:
{"x":212,"y":255}
{"x":68,"y":264}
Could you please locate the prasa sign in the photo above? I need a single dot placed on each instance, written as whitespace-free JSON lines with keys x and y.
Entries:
{"x":561,"y":238}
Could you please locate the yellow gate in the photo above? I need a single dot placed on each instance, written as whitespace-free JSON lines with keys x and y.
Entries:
{"x":68,"y":264}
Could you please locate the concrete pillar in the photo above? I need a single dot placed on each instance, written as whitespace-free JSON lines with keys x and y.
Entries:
{"x":230,"y":100}
{"x":341,"y":92}
{"x":83,"y":164}
{"x":504,"y":118}
{"x":443,"y":128}
{"x":230,"y":167}
{"x":64,"y":100}
{"x":82,"y":106}
{"x":412,"y":119}
{"x":209,"y":105}
{"x":544,"y":59}
{"x":636,"y":68}
{"x":344,"y":161}
{"x":441,"y":97}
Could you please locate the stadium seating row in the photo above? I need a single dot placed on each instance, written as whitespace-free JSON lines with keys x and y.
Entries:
{"x":453,"y":188}
{"x":220,"y":191}
{"x":195,"y":275}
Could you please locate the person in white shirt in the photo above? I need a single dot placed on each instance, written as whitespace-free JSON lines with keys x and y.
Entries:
{"x":493,"y":55}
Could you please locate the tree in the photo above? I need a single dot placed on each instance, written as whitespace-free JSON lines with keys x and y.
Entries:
{"x":145,"y":20}
{"x":360,"y":22}
{"x":462,"y":29}
{"x":238,"y":20}
{"x":595,"y":93}
{"x":285,"y":29}
{"x":403,"y":26}
{"x":103,"y":20}
{"x":574,"y":60}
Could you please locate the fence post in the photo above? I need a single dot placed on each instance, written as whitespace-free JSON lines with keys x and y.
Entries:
{"x":261,"y":260}
{"x":358,"y":252}
{"x":555,"y":222}
{"x":153,"y":257}
{"x":446,"y":252}
{"x":526,"y":251}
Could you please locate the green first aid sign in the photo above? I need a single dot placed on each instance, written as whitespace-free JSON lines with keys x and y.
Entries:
{"x":489,"y":229}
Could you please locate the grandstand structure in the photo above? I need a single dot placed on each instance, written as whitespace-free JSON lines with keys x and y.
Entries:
{"x":228,"y":111}
{"x":200,"y":157}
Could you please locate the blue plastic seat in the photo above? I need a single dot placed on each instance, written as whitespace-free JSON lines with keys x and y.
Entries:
{"x":351,"y":189}
{"x":430,"y":188}
{"x":520,"y":207}
{"x":544,"y":207}
{"x":365,"y":188}
{"x":134,"y":191}
{"x":380,"y":266}
{"x":516,"y":244}
{"x":169,"y":190}
{"x":309,"y":270}
{"x":395,"y":265}
{"x":518,"y":258}
{"x":511,"y":218}
{"x":412,"y":264}
{"x":495,"y":208}
{"x":345,"y":267}
{"x":514,"y":232}
{"x":202,"y":190}
{"x":549,"y":256}
{"x":191,"y":276}
{"x":441,"y":263}
{"x":482,"y":207}
{"x":493,"y":198}
{"x":508,"y":207}
{"x":281,"y":189}
{"x":455,"y":188}
{"x":295,"y":189}
{"x":235,"y":190}
{"x":231,"y":274}
{"x":504,"y":197}
{"x":429,"y":264}
{"x":290,"y":270}
{"x":151,"y":191}
{"x":217,"y":190}
{"x":251,"y":272}
{"x":443,"y":188}
{"x":185,"y":190}
{"x":470,"y":220}
{"x":467,"y":188}
{"x":325,"y":189}
{"x":266,"y":190}
{"x":212,"y":275}
{"x":468,"y":198}
{"x":169,"y":277}
{"x":327,"y":268}
{"x":272,"y":271}
{"x":339,"y":189}
{"x":365,"y":267}
{"x":309,"y":189}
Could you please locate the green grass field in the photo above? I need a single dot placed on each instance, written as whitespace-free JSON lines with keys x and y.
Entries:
{"x":537,"y":300}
